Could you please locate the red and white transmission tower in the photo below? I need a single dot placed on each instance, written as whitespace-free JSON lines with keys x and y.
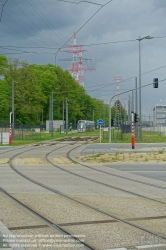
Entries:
{"x":77,"y":69}
{"x":118,"y":79}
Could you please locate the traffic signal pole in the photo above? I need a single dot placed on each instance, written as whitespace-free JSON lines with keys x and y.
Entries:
{"x":124,"y":93}
{"x":136,"y":109}
{"x":132,"y":131}
{"x":13,"y":120}
{"x":10,"y":128}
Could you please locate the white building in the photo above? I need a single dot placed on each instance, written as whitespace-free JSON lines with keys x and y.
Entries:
{"x":159,"y":115}
{"x":56,"y":124}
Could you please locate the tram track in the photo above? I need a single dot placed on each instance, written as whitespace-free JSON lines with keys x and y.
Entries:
{"x":99,"y":182}
{"x":49,"y":223}
{"x":49,"y":142}
{"x":111,"y":174}
{"x":86,"y":204}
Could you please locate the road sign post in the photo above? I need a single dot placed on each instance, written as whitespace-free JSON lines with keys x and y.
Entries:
{"x":100,"y":122}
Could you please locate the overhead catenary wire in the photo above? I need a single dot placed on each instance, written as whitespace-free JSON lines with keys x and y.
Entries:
{"x":31,"y":35}
{"x":2,"y":10}
{"x":102,"y":86}
{"x":41,"y":32}
{"x":84,"y":45}
{"x":30,"y":52}
{"x":57,"y":21}
{"x":109,"y":84}
{"x":36,"y":9}
{"x":13,"y":30}
{"x":42,"y":19}
{"x":82,"y":1}
{"x":128,"y":78}
{"x":82,"y":26}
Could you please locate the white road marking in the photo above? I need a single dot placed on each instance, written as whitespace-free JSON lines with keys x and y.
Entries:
{"x":151,"y":246}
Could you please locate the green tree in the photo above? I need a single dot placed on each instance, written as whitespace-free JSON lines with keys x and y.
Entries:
{"x":29,"y":98}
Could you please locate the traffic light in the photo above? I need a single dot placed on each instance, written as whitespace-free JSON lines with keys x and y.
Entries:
{"x":112,"y":122}
{"x":11,"y":117}
{"x":155,"y":83}
{"x":135,"y":117}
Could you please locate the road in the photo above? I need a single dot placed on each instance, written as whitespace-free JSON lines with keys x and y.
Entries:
{"x":151,"y":170}
{"x":114,"y":190}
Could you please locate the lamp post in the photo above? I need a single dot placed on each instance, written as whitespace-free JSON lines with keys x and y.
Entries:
{"x":66,"y":116}
{"x":13,"y":120}
{"x":140,"y":39}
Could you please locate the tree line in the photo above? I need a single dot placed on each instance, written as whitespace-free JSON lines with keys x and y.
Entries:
{"x":33,"y":86}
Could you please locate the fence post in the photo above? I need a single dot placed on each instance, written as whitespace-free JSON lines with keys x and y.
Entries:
{"x":22,"y":133}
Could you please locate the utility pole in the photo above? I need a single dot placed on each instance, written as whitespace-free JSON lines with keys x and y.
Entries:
{"x":13,"y":109}
{"x":140,"y":113}
{"x":66,"y":116}
{"x":136,"y":109}
{"x":52,"y":112}
{"x":129,"y":111}
{"x":42,"y":116}
{"x":132,"y":103}
{"x":50,"y":129}
{"x":63,"y":113}
{"x":124,"y":114}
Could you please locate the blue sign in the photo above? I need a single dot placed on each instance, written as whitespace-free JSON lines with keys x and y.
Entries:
{"x":100,"y":122}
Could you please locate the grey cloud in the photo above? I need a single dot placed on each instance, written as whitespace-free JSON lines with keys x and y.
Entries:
{"x":119,"y":20}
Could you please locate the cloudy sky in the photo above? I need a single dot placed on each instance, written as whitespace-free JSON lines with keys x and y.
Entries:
{"x":34,"y":30}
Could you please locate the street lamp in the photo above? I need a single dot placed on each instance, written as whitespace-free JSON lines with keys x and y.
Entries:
{"x":140,"y":39}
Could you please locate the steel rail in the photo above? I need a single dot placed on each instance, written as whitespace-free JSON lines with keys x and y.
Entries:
{"x":86,"y":204}
{"x":116,"y":175}
{"x":45,"y":220}
{"x":99,"y":182}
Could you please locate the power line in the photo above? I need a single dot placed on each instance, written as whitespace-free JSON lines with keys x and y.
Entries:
{"x":133,"y":77}
{"x":40,"y":17}
{"x":84,"y":45}
{"x":53,"y":18}
{"x":2,"y":9}
{"x":80,"y":2}
{"x":13,"y":30}
{"x":30,"y":52}
{"x":21,"y":27}
{"x":42,"y":34}
{"x":25,"y":23}
{"x":26,"y":47}
{"x":83,"y":26}
{"x":138,"y":88}
{"x":35,"y":8}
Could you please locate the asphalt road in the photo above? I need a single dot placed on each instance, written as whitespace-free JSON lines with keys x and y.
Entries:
{"x":151,"y":170}
{"x":108,"y":147}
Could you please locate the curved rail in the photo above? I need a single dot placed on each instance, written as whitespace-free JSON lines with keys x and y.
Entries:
{"x":86,"y":204}
{"x":99,"y":182}
{"x":115,"y":175}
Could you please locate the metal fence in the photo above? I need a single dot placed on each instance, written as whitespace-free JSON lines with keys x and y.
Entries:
{"x":117,"y":133}
{"x":23,"y":131}
{"x":4,"y":126}
{"x":126,"y":128}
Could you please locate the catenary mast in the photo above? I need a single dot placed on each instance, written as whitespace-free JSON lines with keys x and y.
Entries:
{"x":118,"y":115}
